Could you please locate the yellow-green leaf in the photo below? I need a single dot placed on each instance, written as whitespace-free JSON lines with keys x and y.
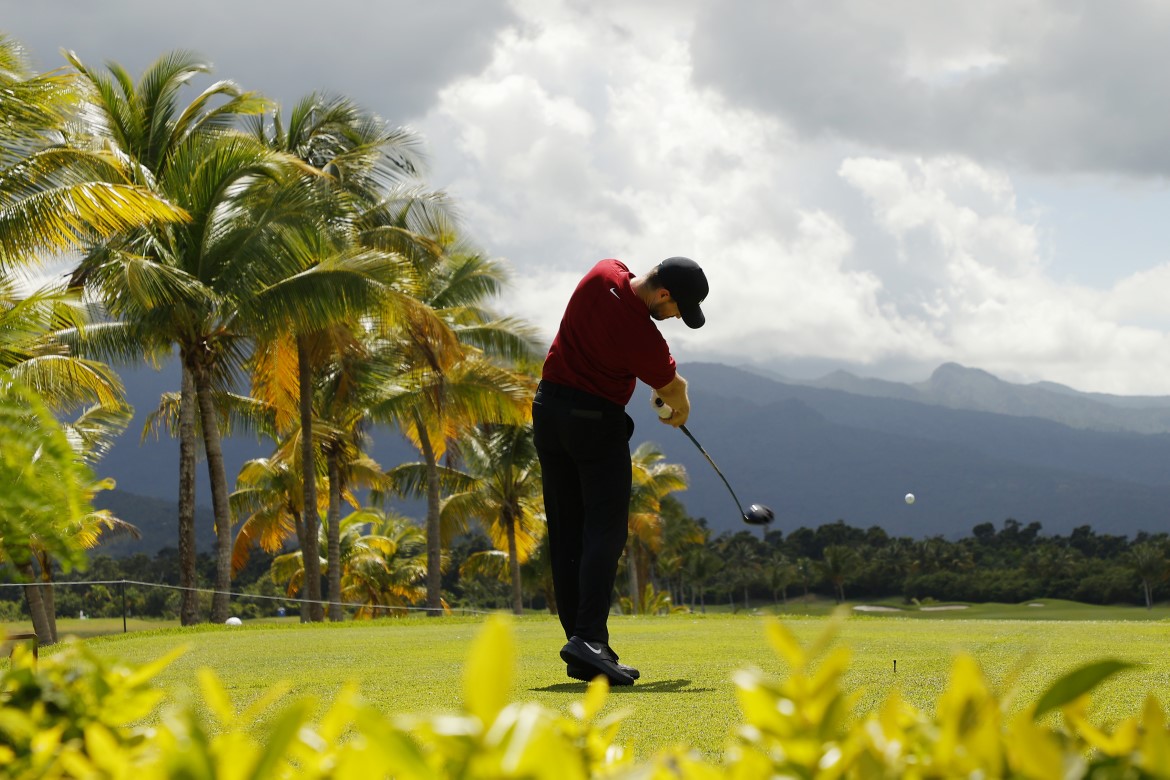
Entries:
{"x":487,"y":676}
{"x":1077,"y":683}
{"x":216,"y":697}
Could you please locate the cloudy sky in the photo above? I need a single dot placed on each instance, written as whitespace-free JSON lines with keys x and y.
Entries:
{"x":881,"y":187}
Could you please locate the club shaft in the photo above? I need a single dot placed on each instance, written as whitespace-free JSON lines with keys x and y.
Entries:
{"x":683,"y":428}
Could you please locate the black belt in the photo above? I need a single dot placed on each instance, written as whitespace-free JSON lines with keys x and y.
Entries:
{"x":584,"y":404}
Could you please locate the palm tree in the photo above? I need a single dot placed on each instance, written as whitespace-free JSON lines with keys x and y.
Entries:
{"x":780,"y":574}
{"x":56,"y":190}
{"x":47,"y":494}
{"x":349,"y":158}
{"x":384,"y":569}
{"x":447,"y":380}
{"x":839,"y":563}
{"x":1148,"y":561}
{"x":742,"y":556}
{"x":653,"y":480}
{"x":701,"y":564}
{"x":35,"y":332}
{"x":804,"y":573}
{"x":380,"y":569}
{"x":537,"y":575}
{"x":185,"y":285}
{"x":91,"y":435}
{"x":504,"y":494}
{"x":680,"y":533}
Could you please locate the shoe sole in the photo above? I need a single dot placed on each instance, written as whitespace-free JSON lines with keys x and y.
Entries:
{"x":579,"y":671}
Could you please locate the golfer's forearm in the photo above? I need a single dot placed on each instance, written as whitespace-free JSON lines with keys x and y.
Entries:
{"x":674,"y":394}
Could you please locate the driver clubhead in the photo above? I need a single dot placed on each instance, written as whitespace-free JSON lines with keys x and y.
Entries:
{"x":758,"y":514}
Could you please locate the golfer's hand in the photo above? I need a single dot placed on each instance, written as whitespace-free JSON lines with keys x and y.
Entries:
{"x":674,"y":396}
{"x":676,"y":417}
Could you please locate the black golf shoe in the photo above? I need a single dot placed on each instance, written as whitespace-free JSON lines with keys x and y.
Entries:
{"x":587,"y":660}
{"x":581,"y":672}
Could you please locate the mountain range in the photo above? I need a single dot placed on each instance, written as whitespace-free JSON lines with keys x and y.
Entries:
{"x":971,"y":447}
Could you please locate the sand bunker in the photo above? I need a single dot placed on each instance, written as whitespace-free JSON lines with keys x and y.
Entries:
{"x":875,"y":608}
{"x":940,"y":609}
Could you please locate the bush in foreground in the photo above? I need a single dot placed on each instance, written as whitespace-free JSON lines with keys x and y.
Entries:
{"x":75,"y":715}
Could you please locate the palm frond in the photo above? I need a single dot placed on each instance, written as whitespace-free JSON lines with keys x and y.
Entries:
{"x":68,"y":382}
{"x":62,"y":217}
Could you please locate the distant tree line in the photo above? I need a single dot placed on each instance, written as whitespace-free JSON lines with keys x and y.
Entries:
{"x":689,"y":567}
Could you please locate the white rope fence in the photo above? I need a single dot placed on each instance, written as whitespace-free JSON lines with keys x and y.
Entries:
{"x":356,"y":605}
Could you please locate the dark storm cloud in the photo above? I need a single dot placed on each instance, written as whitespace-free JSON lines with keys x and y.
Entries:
{"x":390,"y":55}
{"x":1077,"y":87}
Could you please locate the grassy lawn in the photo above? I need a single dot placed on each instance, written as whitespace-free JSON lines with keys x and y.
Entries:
{"x":686,"y":695}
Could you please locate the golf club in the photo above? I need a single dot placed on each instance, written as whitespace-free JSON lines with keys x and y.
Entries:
{"x":757,"y":514}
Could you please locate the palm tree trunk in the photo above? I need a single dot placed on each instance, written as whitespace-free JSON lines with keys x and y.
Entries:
{"x":514,"y":564}
{"x":311,"y":546}
{"x":434,"y":544}
{"x":189,"y":605}
{"x":632,"y":565}
{"x":36,"y":605}
{"x":48,"y":595}
{"x":334,"y":532}
{"x":213,"y":447}
{"x":299,"y":524}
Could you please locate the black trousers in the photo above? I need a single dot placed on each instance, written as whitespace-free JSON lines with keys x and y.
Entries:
{"x":583,"y":444}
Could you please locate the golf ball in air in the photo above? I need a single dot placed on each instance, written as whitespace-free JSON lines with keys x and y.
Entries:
{"x":909,"y":498}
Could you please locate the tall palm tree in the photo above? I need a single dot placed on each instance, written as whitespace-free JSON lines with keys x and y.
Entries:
{"x":780,"y":573}
{"x":701,"y":564}
{"x":1148,"y":561}
{"x":653,"y":480}
{"x":680,"y":533}
{"x":350,"y":158}
{"x":35,"y":335}
{"x":448,"y":378}
{"x":839,"y":563}
{"x":742,"y":556}
{"x":57,"y":188}
{"x":185,"y":285}
{"x":504,"y":495}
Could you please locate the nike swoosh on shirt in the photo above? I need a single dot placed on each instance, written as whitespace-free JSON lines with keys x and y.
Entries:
{"x":615,"y":293}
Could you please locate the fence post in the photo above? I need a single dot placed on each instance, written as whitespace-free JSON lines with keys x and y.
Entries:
{"x":122,"y":586}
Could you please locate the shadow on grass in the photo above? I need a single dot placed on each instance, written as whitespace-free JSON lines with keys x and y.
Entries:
{"x":658,"y":686}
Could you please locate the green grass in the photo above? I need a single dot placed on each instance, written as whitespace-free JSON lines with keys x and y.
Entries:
{"x":686,"y":695}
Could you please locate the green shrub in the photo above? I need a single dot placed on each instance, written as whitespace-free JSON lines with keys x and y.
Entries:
{"x":75,"y":715}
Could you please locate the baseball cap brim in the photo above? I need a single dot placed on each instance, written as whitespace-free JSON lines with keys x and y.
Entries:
{"x":692,"y":315}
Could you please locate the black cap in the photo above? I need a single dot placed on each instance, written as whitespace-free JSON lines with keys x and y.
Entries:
{"x":687,"y":285}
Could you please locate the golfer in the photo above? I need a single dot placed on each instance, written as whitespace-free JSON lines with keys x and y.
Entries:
{"x":606,"y":342}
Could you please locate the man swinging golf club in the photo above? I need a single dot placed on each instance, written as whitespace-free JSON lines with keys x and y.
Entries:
{"x":606,"y":342}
